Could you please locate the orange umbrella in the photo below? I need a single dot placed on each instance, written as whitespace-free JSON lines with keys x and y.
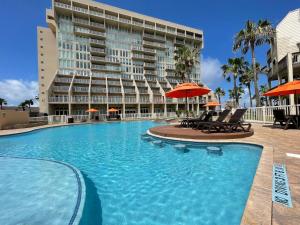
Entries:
{"x":92,"y":110}
{"x":187,"y":90}
{"x":212,"y":104}
{"x":292,"y":87}
{"x":113,"y":110}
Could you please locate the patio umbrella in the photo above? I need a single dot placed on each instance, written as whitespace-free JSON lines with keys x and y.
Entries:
{"x":92,"y":110}
{"x":113,"y":110}
{"x":187,"y":90}
{"x":212,"y":104}
{"x":292,"y":87}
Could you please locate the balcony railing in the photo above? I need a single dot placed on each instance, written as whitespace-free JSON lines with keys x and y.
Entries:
{"x":97,"y":50}
{"x":115,"y":83}
{"x":158,"y":100}
{"x":111,"y":17}
{"x":81,"y":21}
{"x":127,"y":83}
{"x":150,"y":72}
{"x":95,"y":13}
{"x":143,"y":90}
{"x":98,"y":99}
{"x":98,"y":42}
{"x":80,"y":89}
{"x":98,"y":90}
{"x":114,"y":99}
{"x":144,"y":99}
{"x":97,"y":33}
{"x":81,"y":81}
{"x":80,"y":99}
{"x":129,"y":90}
{"x":63,"y":80}
{"x":62,"y":5}
{"x":61,"y":99}
{"x":137,"y":23}
{"x":97,"y":25}
{"x":61,"y":88}
{"x":130,"y":99}
{"x":114,"y":90}
{"x":79,"y":9}
{"x":99,"y":82}
{"x":123,"y":20}
{"x":150,"y":65}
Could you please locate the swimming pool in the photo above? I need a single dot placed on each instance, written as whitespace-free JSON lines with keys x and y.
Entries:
{"x":132,"y":181}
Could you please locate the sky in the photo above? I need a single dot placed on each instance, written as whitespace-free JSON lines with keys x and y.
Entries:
{"x":220,"y":20}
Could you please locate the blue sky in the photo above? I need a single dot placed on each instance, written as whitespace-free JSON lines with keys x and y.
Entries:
{"x":219,"y":20}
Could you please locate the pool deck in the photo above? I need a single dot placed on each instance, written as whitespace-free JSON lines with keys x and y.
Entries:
{"x":260,"y":208}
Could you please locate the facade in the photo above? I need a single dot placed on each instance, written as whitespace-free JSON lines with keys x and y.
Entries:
{"x":97,"y":56}
{"x":284,"y":55}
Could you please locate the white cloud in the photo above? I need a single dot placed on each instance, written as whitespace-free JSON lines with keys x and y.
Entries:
{"x":245,"y":101}
{"x":211,"y":73}
{"x":16,"y":91}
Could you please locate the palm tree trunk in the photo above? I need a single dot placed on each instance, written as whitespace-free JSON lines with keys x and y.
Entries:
{"x":255,"y":76}
{"x":235,"y":92}
{"x":220,"y":103}
{"x":250,"y":95}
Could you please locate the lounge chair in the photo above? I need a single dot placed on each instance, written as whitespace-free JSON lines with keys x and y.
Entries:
{"x":281,"y":118}
{"x":208,"y":117}
{"x":235,"y":122}
{"x":188,"y":122}
{"x":222,"y":116}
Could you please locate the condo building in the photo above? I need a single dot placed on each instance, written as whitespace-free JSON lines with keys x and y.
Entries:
{"x":284,"y":54}
{"x":94,"y":55}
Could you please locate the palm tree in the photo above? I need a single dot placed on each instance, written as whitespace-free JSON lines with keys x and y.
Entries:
{"x":185,"y":60}
{"x":2,"y":102}
{"x":219,"y":93}
{"x":246,"y":79}
{"x":248,"y":38}
{"x":29,"y":103}
{"x":233,"y":68}
{"x":23,"y":105}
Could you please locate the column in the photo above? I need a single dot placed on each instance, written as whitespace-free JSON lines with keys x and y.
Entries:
{"x":291,"y":78}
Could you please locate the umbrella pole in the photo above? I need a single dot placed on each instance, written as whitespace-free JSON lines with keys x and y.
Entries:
{"x":186,"y":108}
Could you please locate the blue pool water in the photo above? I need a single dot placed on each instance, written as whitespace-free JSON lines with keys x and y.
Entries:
{"x":131,"y":181}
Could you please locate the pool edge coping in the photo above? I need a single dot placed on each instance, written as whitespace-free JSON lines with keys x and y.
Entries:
{"x":257,"y":188}
{"x":81,"y":195}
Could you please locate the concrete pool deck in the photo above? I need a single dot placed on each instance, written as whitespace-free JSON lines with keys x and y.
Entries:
{"x":260,"y":208}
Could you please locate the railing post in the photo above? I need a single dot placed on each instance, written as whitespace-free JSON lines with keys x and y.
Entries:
{"x":264,"y":114}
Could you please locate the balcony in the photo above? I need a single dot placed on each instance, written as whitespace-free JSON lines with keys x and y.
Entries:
{"x":114,"y":99}
{"x":97,"y":33}
{"x":80,"y":21}
{"x":98,"y":90}
{"x":80,"y":10}
{"x":111,"y":17}
{"x":158,"y":100}
{"x":138,"y":56}
{"x":98,"y":59}
{"x":152,"y":27}
{"x":123,"y":20}
{"x":106,"y":68}
{"x":62,"y":5}
{"x":63,"y":80}
{"x":80,"y":89}
{"x":170,"y":67}
{"x":152,"y":84}
{"x":113,"y":83}
{"x":98,"y":51}
{"x":129,"y":90}
{"x":136,"y":23}
{"x":144,"y":99}
{"x":80,"y":99}
{"x":150,"y":72}
{"x":61,"y":88}
{"x":130,"y":99}
{"x":97,"y":25}
{"x":143,"y":90}
{"x":149,"y":65}
{"x":137,"y":48}
{"x":98,"y":99}
{"x":81,"y":81}
{"x":149,"y":58}
{"x":95,"y":13}
{"x":154,"y":37}
{"x":154,"y":45}
{"x":58,"y":99}
{"x":114,"y":90}
{"x":99,"y":82}
{"x":127,"y":83}
{"x":97,"y":42}
{"x":296,"y":58}
{"x":179,"y":42}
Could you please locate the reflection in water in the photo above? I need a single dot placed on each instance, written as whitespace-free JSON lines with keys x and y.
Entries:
{"x":92,"y":212}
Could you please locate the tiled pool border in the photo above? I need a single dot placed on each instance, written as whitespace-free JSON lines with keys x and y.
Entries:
{"x":77,"y":212}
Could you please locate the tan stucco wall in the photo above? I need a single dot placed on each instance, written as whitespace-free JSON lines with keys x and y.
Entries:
{"x":47,"y":64}
{"x":13,"y":117}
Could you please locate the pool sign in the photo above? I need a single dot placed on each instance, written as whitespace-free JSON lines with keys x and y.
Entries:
{"x":281,"y":191}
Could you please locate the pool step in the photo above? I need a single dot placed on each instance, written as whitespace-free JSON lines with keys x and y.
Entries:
{"x":158,"y":143}
{"x":214,"y":150}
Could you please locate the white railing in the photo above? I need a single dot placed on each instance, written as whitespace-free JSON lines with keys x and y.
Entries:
{"x":79,"y":118}
{"x":264,"y":114}
{"x":57,"y":119}
{"x":38,"y":119}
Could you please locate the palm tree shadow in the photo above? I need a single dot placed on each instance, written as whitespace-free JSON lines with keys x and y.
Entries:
{"x":92,"y":211}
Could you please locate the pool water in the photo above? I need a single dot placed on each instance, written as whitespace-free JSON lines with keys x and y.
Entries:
{"x":132,"y":181}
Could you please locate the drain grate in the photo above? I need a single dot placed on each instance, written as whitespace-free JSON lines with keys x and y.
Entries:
{"x":280,"y":190}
